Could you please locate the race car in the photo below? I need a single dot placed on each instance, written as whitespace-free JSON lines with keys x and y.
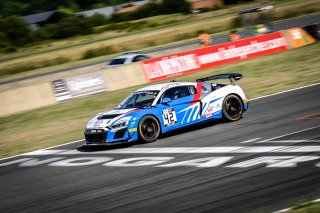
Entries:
{"x":160,"y":108}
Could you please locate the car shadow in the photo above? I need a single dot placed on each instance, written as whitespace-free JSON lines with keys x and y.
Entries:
{"x":180,"y":131}
{"x":193,"y":128}
{"x":97,"y":148}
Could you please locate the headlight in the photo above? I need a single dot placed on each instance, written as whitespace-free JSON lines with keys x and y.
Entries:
{"x":120,"y":124}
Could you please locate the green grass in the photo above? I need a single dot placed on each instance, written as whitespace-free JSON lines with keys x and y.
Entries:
{"x":10,"y":71}
{"x":312,"y":207}
{"x":65,"y":121}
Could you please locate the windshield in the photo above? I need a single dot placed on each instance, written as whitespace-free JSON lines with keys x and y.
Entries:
{"x":117,"y":61}
{"x":140,"y":99}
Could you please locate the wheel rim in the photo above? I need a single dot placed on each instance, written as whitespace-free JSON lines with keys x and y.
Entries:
{"x":233,"y":108}
{"x":150,"y":129}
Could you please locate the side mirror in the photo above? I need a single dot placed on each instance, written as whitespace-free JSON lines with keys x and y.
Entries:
{"x":166,"y":101}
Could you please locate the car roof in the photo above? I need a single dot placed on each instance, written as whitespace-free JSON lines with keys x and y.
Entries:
{"x":164,"y":86}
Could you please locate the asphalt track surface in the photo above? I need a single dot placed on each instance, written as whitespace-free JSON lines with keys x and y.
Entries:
{"x":282,"y":25}
{"x":232,"y":176}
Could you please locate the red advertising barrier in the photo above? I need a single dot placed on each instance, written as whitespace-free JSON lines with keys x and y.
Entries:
{"x":199,"y":59}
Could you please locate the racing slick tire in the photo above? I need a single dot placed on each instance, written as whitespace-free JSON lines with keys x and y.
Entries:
{"x":149,"y":128}
{"x":232,"y":108}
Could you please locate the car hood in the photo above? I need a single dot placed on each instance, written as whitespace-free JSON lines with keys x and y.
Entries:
{"x":104,"y":119}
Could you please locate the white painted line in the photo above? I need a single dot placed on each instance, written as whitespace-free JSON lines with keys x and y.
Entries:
{"x":294,"y":141}
{"x":287,"y":209}
{"x":250,"y":100}
{"x":14,"y":156}
{"x":82,"y":140}
{"x":186,"y":150}
{"x":278,"y":93}
{"x":283,"y":210}
{"x":251,"y":140}
{"x":44,"y":152}
{"x":292,"y":133}
{"x":41,"y":150}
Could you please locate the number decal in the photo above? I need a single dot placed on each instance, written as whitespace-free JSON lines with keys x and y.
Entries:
{"x":169,"y":117}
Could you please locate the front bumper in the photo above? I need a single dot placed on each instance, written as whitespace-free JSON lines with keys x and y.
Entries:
{"x":106,"y":137}
{"x":245,"y":104}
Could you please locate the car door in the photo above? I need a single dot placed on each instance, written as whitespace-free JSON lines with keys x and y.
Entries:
{"x":179,"y":107}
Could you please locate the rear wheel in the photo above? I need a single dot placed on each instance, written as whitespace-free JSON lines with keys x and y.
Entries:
{"x":232,"y":108}
{"x":149,"y":128}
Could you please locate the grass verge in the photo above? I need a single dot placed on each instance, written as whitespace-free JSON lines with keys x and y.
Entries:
{"x":312,"y":207}
{"x":65,"y":122}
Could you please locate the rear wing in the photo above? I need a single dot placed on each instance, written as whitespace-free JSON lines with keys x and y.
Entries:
{"x":231,"y":76}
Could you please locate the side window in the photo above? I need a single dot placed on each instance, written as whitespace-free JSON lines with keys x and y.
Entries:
{"x":139,"y":58}
{"x":144,"y":99}
{"x":117,"y":61}
{"x":176,"y":92}
{"x":204,"y":90}
{"x":192,"y":90}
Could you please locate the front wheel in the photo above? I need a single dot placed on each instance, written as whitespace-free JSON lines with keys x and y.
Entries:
{"x":232,"y":108}
{"x":149,"y":128}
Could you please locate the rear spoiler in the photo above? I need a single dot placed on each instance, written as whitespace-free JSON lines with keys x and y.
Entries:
{"x":230,"y":76}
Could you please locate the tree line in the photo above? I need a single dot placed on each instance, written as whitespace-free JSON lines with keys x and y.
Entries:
{"x":28,"y":7}
{"x":15,"y":33}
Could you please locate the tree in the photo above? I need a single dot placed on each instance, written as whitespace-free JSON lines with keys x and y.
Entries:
{"x":97,"y":20}
{"x":68,"y":27}
{"x":176,"y":6}
{"x":16,"y":30}
{"x":154,"y":9}
{"x":4,"y":41}
{"x":13,"y":8}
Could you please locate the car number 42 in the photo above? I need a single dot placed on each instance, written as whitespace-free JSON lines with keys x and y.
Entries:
{"x":169,"y":117}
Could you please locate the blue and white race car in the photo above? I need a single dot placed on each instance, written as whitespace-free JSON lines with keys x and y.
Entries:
{"x":157,"y":109}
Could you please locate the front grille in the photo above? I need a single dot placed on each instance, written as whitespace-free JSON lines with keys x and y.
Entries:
{"x":120,"y":133}
{"x":95,"y":136}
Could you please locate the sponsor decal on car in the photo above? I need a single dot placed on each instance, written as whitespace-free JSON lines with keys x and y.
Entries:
{"x":169,"y":117}
{"x":133,"y":130}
